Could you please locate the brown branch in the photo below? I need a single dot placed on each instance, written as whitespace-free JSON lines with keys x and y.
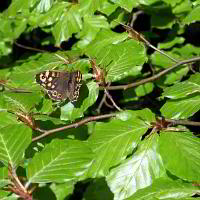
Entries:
{"x":183,"y":122}
{"x":74,"y":125}
{"x":153,"y":78}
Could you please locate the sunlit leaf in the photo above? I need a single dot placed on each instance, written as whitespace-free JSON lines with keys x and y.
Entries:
{"x":176,"y":148}
{"x":138,"y":171}
{"x":164,"y":188}
{"x":113,"y":141}
{"x":14,"y":139}
{"x":60,"y":161}
{"x":181,"y":108}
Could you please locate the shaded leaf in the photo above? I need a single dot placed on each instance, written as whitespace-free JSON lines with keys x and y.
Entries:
{"x":97,"y":190}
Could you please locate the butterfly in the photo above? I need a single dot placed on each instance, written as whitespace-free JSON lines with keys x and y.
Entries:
{"x":60,"y":85}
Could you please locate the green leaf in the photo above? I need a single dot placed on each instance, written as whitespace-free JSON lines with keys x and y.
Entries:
{"x":4,"y":177}
{"x":183,"y":89}
{"x":145,"y":89}
{"x":19,"y":101}
{"x":62,"y":190}
{"x":4,"y":195}
{"x":127,"y":4}
{"x":20,"y":6}
{"x":91,"y":26}
{"x":186,"y":51}
{"x":181,"y":154}
{"x":114,"y":140}
{"x":117,"y":61}
{"x":161,"y":60}
{"x":44,"y":5}
{"x":172,"y":2}
{"x":166,"y":18}
{"x":103,"y":39}
{"x":181,"y":108}
{"x":108,"y":8}
{"x":11,"y":29}
{"x":69,"y":23}
{"x":170,"y":43}
{"x":14,"y":139}
{"x":46,"y":107}
{"x":7,"y":119}
{"x":60,"y":161}
{"x":138,"y":171}
{"x":192,"y":16}
{"x":182,"y":9}
{"x":164,"y":188}
{"x":72,"y":111}
{"x":121,"y":63}
{"x":88,"y":7}
{"x":48,"y":18}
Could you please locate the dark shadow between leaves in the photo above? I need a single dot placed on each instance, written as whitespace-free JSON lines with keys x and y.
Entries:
{"x":44,"y":192}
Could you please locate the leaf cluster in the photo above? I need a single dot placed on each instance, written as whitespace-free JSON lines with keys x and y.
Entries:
{"x":131,"y":155}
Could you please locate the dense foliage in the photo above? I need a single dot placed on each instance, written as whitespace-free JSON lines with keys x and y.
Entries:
{"x":51,"y":150}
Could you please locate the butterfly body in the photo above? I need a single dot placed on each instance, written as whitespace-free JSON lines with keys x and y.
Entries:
{"x":60,"y":85}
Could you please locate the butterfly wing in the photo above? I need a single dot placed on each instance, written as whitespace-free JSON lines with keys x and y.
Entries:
{"x":60,"y":85}
{"x":54,"y":83}
{"x":74,"y":85}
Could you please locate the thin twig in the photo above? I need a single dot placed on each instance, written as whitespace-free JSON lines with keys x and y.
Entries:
{"x":161,"y":52}
{"x":111,"y":99}
{"x":30,"y":48}
{"x":183,"y":122}
{"x":74,"y":125}
{"x":101,"y":103}
{"x":107,"y":104}
{"x":153,"y":78}
{"x":138,"y":36}
{"x":134,"y":17}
